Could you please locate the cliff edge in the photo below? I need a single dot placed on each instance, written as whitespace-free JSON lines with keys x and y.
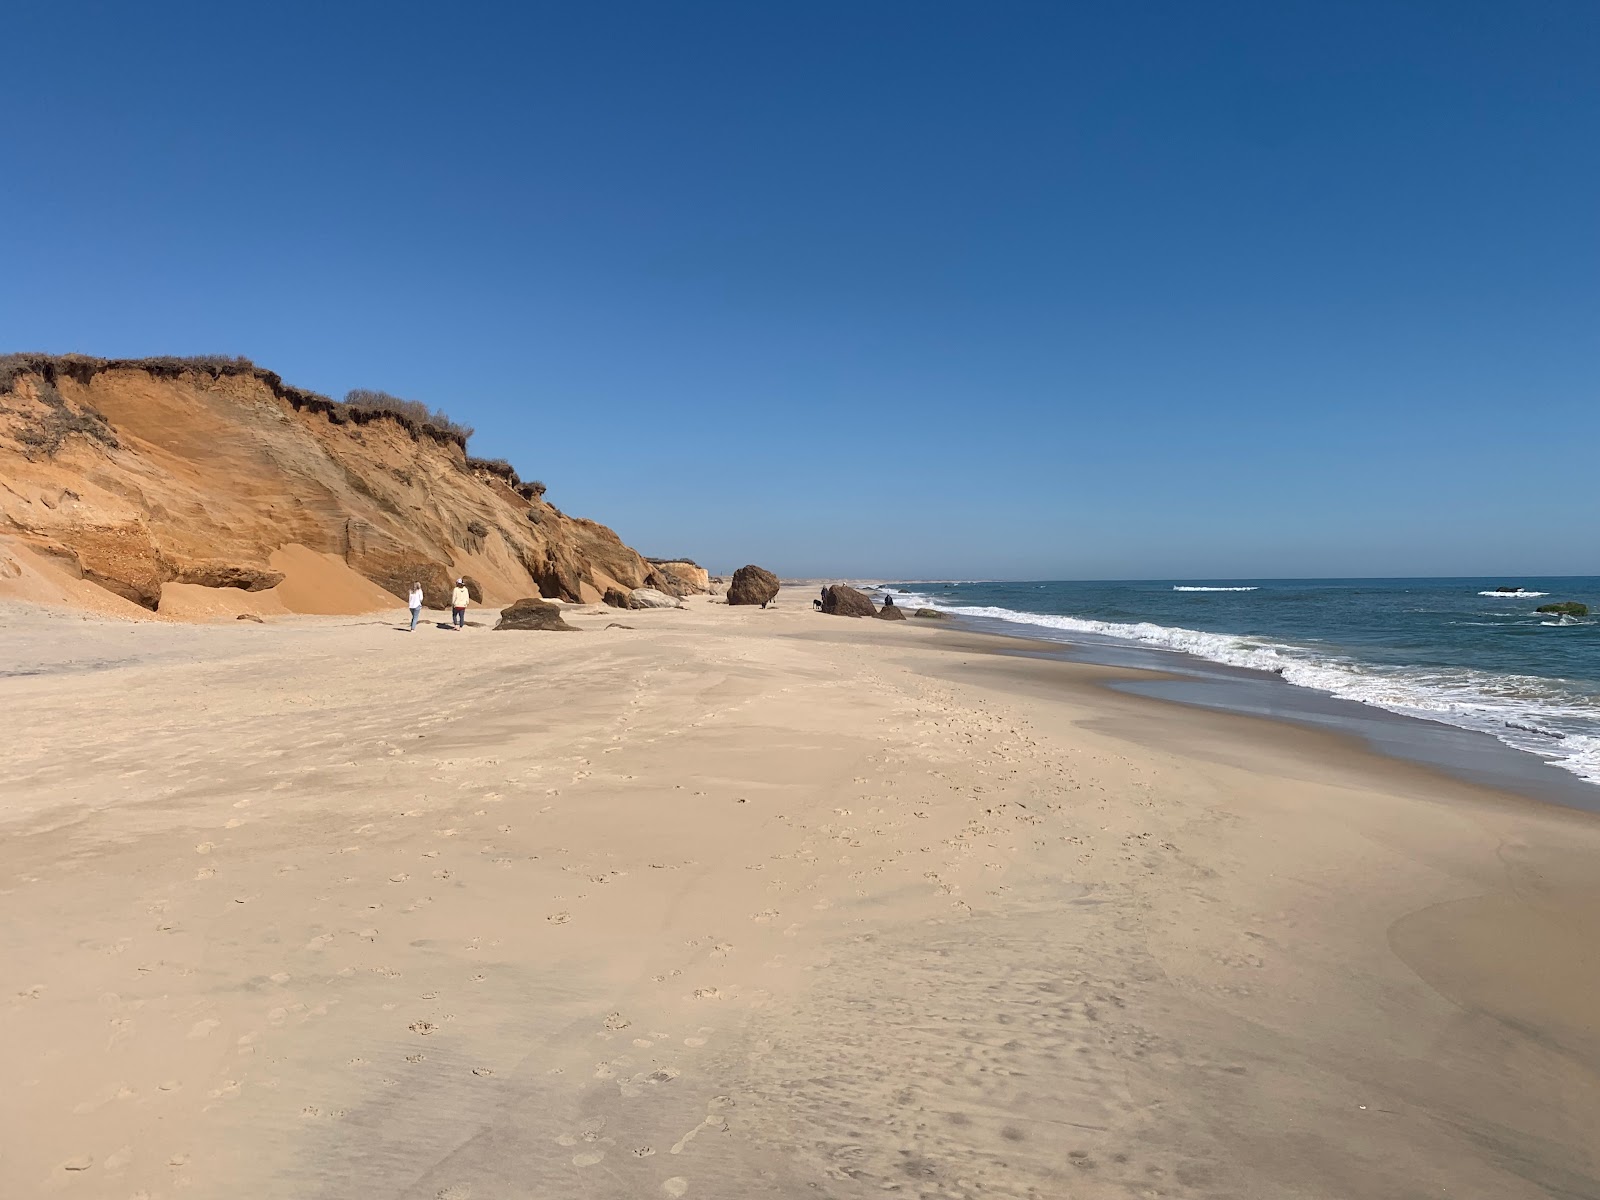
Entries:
{"x":197,"y":486}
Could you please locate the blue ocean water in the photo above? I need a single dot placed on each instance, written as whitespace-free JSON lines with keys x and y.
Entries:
{"x":1450,"y":650}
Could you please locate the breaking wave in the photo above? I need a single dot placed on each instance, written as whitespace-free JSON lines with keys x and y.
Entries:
{"x":1179,"y":587}
{"x":1519,"y":594}
{"x":1527,"y":712}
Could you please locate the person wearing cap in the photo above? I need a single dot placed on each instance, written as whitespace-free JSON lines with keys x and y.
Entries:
{"x":458,"y":603}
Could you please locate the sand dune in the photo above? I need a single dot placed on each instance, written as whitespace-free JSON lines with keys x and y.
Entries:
{"x":753,"y":903}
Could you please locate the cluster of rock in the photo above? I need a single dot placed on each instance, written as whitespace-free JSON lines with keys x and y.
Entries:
{"x":842,"y":600}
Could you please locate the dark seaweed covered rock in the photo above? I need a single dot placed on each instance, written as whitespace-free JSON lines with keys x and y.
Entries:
{"x":529,"y":613}
{"x":1565,"y":608}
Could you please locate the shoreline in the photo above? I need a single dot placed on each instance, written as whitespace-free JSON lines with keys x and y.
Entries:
{"x":745,"y":902}
{"x":1450,"y":750}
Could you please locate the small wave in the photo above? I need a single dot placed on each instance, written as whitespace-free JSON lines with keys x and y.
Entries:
{"x":1519,"y":594}
{"x":1179,"y":587}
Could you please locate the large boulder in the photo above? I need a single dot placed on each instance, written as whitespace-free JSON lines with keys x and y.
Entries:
{"x":931,"y":614}
{"x":841,"y":600}
{"x":753,"y":585}
{"x":650,"y":598}
{"x":615,"y":597}
{"x":891,"y":612}
{"x":529,"y":613}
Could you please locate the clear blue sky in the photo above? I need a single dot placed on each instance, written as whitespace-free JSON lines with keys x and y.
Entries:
{"x":1022,"y":290}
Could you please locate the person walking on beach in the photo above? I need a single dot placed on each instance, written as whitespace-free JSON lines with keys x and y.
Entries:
{"x":458,"y":604}
{"x":414,"y":602}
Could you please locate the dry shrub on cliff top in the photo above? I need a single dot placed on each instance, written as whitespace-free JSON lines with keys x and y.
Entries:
{"x":413,"y":414}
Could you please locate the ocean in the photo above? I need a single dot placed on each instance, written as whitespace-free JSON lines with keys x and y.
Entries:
{"x":1451,"y":651}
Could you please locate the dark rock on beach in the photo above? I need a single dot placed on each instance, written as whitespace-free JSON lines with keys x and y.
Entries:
{"x":932,"y":614}
{"x":891,"y":612}
{"x":616,"y":597}
{"x":753,"y":585}
{"x":529,"y":613}
{"x":841,"y":600}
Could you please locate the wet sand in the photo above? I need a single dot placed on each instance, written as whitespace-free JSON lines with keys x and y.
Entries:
{"x":740,"y":903}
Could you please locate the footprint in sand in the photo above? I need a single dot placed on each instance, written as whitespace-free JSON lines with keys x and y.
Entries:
{"x":676,"y":1186}
{"x":202,"y":1029}
{"x":560,"y":918}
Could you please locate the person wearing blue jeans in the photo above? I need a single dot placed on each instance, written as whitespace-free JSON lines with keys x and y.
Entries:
{"x":458,"y":603}
{"x":415,"y":603}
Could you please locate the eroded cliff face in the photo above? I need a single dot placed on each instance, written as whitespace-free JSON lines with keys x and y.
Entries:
{"x":142,"y":478}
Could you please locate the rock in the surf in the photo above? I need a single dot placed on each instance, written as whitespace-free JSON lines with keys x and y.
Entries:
{"x":1565,"y":608}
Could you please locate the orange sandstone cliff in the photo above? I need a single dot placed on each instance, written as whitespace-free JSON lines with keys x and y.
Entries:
{"x":197,"y":487}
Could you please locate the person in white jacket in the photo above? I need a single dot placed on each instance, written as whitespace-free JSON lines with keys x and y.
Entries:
{"x":458,"y":604}
{"x":414,"y":601}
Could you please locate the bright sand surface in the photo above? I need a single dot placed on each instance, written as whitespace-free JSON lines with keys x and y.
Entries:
{"x":740,"y":903}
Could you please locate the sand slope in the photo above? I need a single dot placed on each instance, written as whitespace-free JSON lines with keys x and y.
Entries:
{"x":745,"y":903}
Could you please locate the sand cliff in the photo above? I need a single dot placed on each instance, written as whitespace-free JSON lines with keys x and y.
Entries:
{"x":201,"y":487}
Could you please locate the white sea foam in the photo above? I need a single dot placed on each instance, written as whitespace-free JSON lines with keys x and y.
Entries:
{"x":1519,"y":594}
{"x":1178,"y":587}
{"x":1524,"y":711}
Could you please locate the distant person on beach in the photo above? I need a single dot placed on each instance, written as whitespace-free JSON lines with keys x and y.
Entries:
{"x":458,"y":604}
{"x":888,"y":599}
{"x":414,"y":602}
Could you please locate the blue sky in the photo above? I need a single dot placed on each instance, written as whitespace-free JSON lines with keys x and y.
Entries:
{"x":920,"y":289}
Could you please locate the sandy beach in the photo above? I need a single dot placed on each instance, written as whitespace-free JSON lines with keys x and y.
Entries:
{"x":730,"y":902}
